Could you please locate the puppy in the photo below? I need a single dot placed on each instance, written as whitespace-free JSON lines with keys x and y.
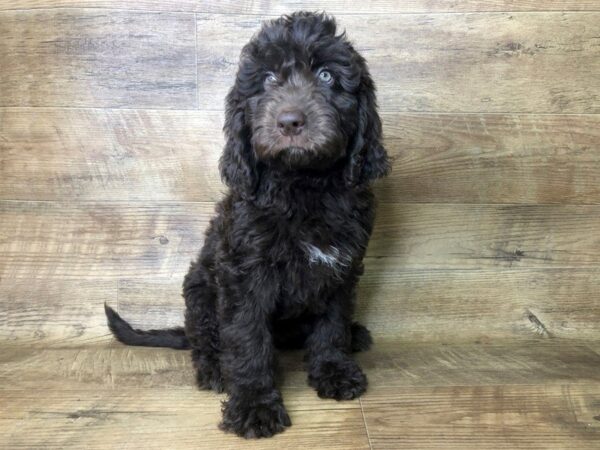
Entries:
{"x":283,"y":254}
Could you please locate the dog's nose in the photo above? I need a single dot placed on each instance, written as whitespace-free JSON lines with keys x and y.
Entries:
{"x":290,"y":123}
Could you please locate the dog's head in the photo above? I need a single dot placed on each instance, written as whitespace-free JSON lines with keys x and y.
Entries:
{"x":303,"y":99}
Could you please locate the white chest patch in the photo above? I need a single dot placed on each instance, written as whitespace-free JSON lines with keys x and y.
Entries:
{"x":329,"y":256}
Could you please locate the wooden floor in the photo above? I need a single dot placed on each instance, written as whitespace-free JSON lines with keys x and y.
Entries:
{"x":513,"y":395}
{"x":482,"y":282}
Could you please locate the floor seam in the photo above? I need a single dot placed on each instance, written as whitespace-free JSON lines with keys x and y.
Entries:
{"x":196,"y":51}
{"x":362,"y":411}
{"x":117,"y":295}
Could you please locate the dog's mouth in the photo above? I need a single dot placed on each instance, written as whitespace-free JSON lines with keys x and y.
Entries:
{"x":290,"y":151}
{"x":303,"y":151}
{"x":276,"y":145}
{"x":316,"y":143}
{"x":302,"y":157}
{"x":301,"y":142}
{"x":295,"y":150}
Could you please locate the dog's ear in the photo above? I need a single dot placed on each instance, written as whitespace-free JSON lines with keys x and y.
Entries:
{"x":237,"y":163}
{"x":368,"y":158}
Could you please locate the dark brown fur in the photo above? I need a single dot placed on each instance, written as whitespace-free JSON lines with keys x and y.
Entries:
{"x":284,"y":252}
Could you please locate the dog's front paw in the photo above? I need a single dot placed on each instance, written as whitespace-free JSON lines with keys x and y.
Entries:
{"x":208,"y":372}
{"x":338,"y":379}
{"x":254,"y":419}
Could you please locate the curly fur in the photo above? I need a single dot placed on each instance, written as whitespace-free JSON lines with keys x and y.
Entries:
{"x":284,"y":252}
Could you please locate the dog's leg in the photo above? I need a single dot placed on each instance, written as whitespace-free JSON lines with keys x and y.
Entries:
{"x":254,"y":407}
{"x":201,"y":324}
{"x":331,"y":369}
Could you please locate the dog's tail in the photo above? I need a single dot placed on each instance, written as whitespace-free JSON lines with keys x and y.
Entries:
{"x":171,"y":337}
{"x":175,"y":337}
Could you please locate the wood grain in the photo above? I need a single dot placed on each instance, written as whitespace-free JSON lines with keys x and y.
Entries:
{"x":157,"y":419}
{"x":486,"y":395}
{"x":391,"y":364}
{"x":88,"y":240}
{"x":431,"y":305}
{"x":479,"y":305}
{"x":107,"y":154}
{"x":331,"y":6}
{"x":482,"y":277}
{"x":439,"y":236}
{"x":395,"y":364}
{"x":77,"y":58}
{"x":60,"y":312}
{"x":93,"y":241}
{"x":105,"y":366}
{"x":406,"y":305}
{"x":140,"y":155}
{"x":594,"y":345}
{"x":492,"y":417}
{"x":493,"y":158}
{"x":496,"y":62}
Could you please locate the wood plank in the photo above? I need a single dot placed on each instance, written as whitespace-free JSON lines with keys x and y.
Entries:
{"x":45,"y":240}
{"x":475,"y":236}
{"x":56,"y":397}
{"x":104,"y":154}
{"x":100,"y":366}
{"x":390,"y":364}
{"x":83,"y":57}
{"x":492,"y":417}
{"x":157,"y":418}
{"x":54,"y":312}
{"x":331,"y":6}
{"x":497,"y":395}
{"x":395,"y":364}
{"x":493,"y":158}
{"x":425,"y":305}
{"x":594,"y":345}
{"x":496,"y":62}
{"x":87,"y":240}
{"x":120,"y":155}
{"x":53,"y":248}
{"x":480,"y":305}
{"x":411,"y":306}
{"x":110,"y":367}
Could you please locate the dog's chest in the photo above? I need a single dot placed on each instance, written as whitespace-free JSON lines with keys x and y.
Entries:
{"x":327,"y":256}
{"x":308,"y":249}
{"x":323,"y":242}
{"x":315,"y":258}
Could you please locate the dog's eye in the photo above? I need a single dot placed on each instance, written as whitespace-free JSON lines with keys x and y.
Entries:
{"x":325,"y":76}
{"x":271,"y":78}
